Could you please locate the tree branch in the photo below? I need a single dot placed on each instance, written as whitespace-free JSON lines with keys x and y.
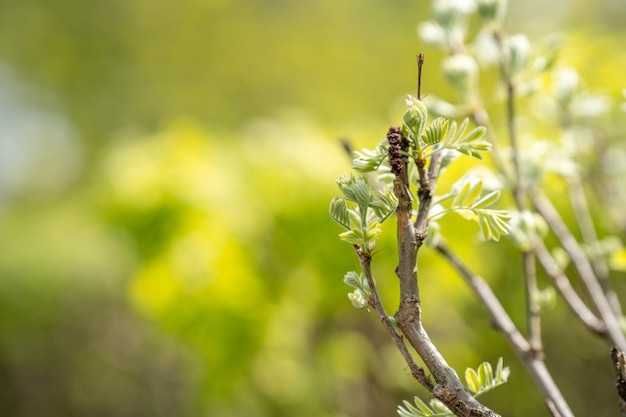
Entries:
{"x":375,"y":303}
{"x":519,"y":194}
{"x":619,"y":364}
{"x":580,"y":261}
{"x":449,"y":388}
{"x":535,"y":365}
{"x":563,"y":285}
{"x":588,"y":232}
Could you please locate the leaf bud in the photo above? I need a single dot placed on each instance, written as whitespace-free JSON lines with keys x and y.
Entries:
{"x":492,"y":10}
{"x":519,"y":53}
{"x":462,"y":72}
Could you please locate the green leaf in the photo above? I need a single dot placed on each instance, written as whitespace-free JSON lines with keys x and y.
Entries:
{"x":483,"y":380}
{"x":370,"y":160}
{"x":485,"y":373}
{"x":355,"y":189}
{"x":436,"y":409}
{"x":436,"y":131}
{"x":470,"y":144}
{"x":414,"y":118}
{"x":461,"y":195}
{"x":339,"y":211}
{"x":487,"y":200}
{"x":473,"y":194}
{"x":469,"y":204}
{"x":440,"y":408}
{"x":473,"y":380}
{"x":385,"y":205}
{"x":352,"y":279}
{"x":493,"y":223}
{"x":354,"y":237}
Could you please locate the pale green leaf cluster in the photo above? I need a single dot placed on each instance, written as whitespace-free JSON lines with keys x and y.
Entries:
{"x":414,"y":120}
{"x":468,"y":201}
{"x":420,"y":409}
{"x":479,"y":381}
{"x":361,"y":210}
{"x":370,"y":160}
{"x":469,"y":143}
{"x":440,"y":134}
{"x":527,"y":229}
{"x":545,"y":299}
{"x":484,"y":379}
{"x":360,"y":296}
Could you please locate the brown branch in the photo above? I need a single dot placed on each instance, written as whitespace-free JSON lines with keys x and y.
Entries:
{"x":619,"y":364}
{"x":449,"y":388}
{"x":585,"y":271}
{"x":375,"y":303}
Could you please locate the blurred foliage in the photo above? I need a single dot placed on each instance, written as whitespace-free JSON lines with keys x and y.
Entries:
{"x":166,"y":245}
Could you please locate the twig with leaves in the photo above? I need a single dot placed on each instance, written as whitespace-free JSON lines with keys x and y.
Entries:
{"x":409,"y":162}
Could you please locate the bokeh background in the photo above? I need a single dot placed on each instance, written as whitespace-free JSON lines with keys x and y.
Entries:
{"x":165,"y":173}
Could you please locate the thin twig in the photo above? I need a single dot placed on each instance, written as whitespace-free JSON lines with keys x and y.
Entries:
{"x":533,"y":316}
{"x":590,"y":238}
{"x":563,"y":285}
{"x":519,"y":194}
{"x":420,"y":63}
{"x":375,"y":303}
{"x":535,"y":365}
{"x":580,"y":261}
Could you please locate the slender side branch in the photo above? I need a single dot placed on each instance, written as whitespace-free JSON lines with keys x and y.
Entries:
{"x":533,"y":315}
{"x":563,"y":285}
{"x":519,"y":194}
{"x":588,"y":232}
{"x":375,"y":303}
{"x":580,"y":261}
{"x":535,"y":365}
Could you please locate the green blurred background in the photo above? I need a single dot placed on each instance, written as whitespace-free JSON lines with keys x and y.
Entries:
{"x":165,"y":173}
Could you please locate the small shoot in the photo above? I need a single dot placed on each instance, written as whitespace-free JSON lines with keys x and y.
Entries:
{"x":361,"y":210}
{"x":469,"y":143}
{"x":484,"y":380}
{"x":361,"y":294}
{"x":370,"y":160}
{"x":469,"y":202}
{"x":435,"y":409}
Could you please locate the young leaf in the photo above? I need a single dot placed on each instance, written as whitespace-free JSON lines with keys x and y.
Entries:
{"x":415,"y":117}
{"x":436,"y":131}
{"x":485,"y":373}
{"x":370,"y":160}
{"x":461,"y":195}
{"x":487,"y":200}
{"x":483,"y":380}
{"x":339,"y":211}
{"x":385,"y":205}
{"x":470,"y":144}
{"x":436,"y":409}
{"x":352,"y":279}
{"x":440,"y":408}
{"x":358,"y":299}
{"x":473,"y":381}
